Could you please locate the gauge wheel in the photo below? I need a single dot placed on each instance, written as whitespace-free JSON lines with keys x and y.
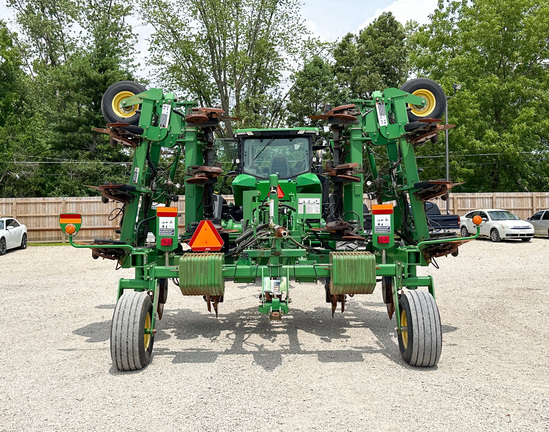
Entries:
{"x":494,"y":235}
{"x":2,"y":246}
{"x":431,"y":92}
{"x":464,"y":232}
{"x":23,"y":242}
{"x":420,"y":338}
{"x":132,"y":338}
{"x":111,"y":103}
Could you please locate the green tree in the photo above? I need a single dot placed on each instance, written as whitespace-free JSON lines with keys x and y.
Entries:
{"x":231,"y":53}
{"x":314,"y":87}
{"x":69,"y":72}
{"x":16,"y":119}
{"x":499,"y":52}
{"x":374,"y":59}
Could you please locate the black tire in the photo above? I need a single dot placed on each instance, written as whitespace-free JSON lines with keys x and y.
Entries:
{"x":464,"y":232}
{"x":420,"y":340}
{"x":112,"y":111}
{"x":23,"y":242}
{"x":2,"y":246}
{"x":494,"y":235}
{"x":131,"y":347}
{"x":432,"y":92}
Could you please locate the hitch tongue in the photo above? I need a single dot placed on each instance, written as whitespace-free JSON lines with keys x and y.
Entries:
{"x":275,"y":315}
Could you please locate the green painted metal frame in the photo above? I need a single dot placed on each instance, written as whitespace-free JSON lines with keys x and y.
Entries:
{"x":272,"y":256}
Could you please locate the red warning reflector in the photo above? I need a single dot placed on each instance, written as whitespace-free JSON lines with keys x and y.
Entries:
{"x":280,"y":192}
{"x":166,"y":211}
{"x":382,"y":209}
{"x":206,"y":238}
{"x":383,"y":239}
{"x":70,"y":218}
{"x":166,"y":241}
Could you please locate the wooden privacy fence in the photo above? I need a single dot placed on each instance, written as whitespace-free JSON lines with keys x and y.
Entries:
{"x":100,"y":220}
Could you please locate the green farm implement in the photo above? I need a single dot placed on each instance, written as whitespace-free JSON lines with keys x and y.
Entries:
{"x":292,"y":218}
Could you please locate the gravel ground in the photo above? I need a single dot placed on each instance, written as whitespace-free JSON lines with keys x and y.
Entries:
{"x":308,"y":372}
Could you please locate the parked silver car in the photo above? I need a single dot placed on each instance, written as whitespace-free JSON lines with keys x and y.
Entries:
{"x":12,"y":234}
{"x":540,"y":220}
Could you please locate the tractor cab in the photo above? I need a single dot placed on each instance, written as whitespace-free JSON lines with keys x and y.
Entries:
{"x":284,"y":152}
{"x":282,"y":156}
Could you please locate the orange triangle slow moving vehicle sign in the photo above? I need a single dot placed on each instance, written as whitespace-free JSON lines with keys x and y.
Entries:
{"x":279,"y":192}
{"x":206,"y":238}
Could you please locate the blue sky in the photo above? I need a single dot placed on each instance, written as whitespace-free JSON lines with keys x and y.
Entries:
{"x":327,"y":19}
{"x":332,"y":19}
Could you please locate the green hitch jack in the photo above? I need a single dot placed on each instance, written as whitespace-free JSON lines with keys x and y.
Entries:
{"x":274,"y":297}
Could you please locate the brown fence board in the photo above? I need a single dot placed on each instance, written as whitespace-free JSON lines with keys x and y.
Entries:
{"x":41,"y":215}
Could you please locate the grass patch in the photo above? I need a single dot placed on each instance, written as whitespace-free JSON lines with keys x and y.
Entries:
{"x":49,"y":244}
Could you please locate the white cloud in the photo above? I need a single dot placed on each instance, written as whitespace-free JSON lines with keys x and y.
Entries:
{"x":406,"y":10}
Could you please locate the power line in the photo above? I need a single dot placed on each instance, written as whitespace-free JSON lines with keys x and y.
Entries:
{"x":476,"y":154}
{"x":68,"y":162}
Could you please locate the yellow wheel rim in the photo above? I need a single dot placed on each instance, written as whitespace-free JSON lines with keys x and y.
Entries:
{"x":429,"y":107}
{"x":117,"y":107}
{"x":404,"y":329}
{"x":147,"y":336}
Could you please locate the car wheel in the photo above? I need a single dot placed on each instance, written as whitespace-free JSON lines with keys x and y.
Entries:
{"x":24,"y":242}
{"x":2,"y":246}
{"x":464,"y":232}
{"x":494,"y":235}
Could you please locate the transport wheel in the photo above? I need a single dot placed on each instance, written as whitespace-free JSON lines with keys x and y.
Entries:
{"x":23,"y":242}
{"x":494,"y":235}
{"x":2,"y":246}
{"x":111,"y":106}
{"x":464,"y":232}
{"x":420,"y":340}
{"x":131,"y":347}
{"x":431,"y":92}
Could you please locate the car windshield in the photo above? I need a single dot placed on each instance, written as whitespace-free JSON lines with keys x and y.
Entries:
{"x":502,"y":215}
{"x":287,"y":157}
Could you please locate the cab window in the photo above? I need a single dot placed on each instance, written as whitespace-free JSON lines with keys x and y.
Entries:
{"x":287,"y":157}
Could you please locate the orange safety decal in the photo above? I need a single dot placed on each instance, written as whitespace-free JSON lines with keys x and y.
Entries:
{"x":382,"y":209}
{"x":70,"y":218}
{"x":206,"y":238}
{"x":166,"y":211}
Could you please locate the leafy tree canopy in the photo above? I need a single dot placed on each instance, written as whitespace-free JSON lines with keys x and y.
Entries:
{"x":232,"y":53}
{"x":374,"y":59}
{"x":498,"y":52}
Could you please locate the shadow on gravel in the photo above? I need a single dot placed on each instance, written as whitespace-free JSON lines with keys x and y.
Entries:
{"x":95,"y":332}
{"x":249,"y":332}
{"x":268,"y":341}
